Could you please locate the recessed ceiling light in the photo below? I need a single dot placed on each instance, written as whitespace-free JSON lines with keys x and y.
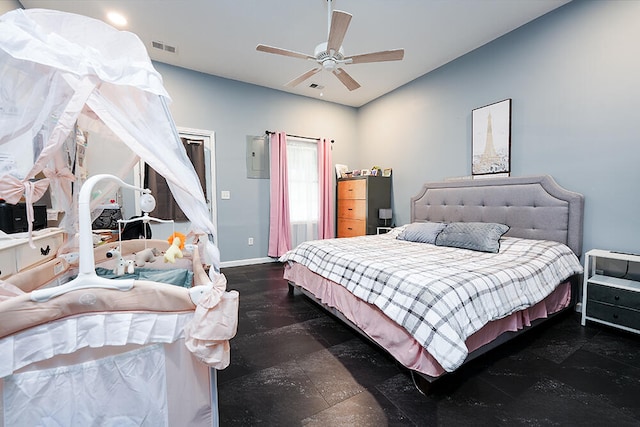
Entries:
{"x":117,"y":19}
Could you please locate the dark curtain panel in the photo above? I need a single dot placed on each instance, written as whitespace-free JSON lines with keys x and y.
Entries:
{"x":166,"y":206}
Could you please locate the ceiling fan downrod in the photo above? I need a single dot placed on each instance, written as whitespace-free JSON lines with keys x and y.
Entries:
{"x":329,"y":11}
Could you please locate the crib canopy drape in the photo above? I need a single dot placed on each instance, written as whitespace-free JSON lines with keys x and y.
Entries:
{"x":58,"y":70}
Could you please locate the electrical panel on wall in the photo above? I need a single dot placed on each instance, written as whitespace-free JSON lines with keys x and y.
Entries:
{"x":257,"y":157}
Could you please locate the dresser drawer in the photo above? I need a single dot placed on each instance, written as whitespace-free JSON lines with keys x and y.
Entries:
{"x":614,"y":314}
{"x":46,"y":248}
{"x":352,"y":209}
{"x":613,"y":295}
{"x":352,"y":189}
{"x":351,"y":227}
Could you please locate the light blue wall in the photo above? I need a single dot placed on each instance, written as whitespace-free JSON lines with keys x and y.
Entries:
{"x":234,"y":110}
{"x":574,"y":78}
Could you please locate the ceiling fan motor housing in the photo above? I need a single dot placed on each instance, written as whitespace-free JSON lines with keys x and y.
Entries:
{"x":328,"y":60}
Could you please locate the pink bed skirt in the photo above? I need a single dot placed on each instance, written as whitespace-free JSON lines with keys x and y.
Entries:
{"x":395,"y":339}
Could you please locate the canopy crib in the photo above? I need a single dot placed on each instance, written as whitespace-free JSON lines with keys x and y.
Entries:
{"x":78,"y":347}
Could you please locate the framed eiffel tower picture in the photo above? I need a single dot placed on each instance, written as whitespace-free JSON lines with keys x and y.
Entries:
{"x":491,"y":139}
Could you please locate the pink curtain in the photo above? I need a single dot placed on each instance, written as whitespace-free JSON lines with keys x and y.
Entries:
{"x":279,"y":223}
{"x":325,"y":184}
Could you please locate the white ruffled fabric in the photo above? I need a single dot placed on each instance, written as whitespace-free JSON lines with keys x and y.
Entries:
{"x":68,"y":335}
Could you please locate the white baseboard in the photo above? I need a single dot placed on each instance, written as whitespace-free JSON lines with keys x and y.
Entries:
{"x":251,"y":261}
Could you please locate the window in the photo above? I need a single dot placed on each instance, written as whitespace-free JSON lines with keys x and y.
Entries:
{"x":302,"y":170}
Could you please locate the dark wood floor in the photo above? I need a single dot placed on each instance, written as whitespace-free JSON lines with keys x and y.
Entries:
{"x":292,"y":364}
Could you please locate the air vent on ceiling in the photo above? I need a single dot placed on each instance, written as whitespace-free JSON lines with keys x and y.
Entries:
{"x":316,"y":86}
{"x":163,"y":46}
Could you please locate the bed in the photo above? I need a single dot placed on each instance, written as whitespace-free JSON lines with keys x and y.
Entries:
{"x":435,"y":306}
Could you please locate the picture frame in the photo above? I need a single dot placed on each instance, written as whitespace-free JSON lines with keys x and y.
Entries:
{"x":365,"y":172}
{"x":491,"y":139}
{"x":386,"y":172}
{"x":341,"y":170}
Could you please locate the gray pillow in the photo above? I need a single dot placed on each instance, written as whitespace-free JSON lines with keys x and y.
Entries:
{"x":422,"y":232}
{"x":477,"y":236}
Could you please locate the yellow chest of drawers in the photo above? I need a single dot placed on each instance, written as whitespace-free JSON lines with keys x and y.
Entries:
{"x":358,"y":202}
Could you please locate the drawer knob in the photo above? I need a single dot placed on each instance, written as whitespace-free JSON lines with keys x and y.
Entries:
{"x":350,"y":209}
{"x":349,"y":228}
{"x":617,"y":298}
{"x":615,"y":316}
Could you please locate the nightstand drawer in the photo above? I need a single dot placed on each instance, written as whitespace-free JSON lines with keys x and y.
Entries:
{"x":353,"y":209}
{"x":613,"y":295}
{"x":351,"y":227}
{"x":353,"y":189}
{"x":614,"y":314}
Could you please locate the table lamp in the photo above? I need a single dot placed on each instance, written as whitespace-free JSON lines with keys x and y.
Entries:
{"x":385,"y":214}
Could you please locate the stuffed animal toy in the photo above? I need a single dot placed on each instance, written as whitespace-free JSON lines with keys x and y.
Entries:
{"x":129,"y":265}
{"x":146,"y":255}
{"x":176,"y":240}
{"x":120,"y":263}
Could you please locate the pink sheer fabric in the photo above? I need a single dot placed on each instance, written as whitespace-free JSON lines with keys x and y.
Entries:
{"x":279,"y":221}
{"x":325,"y":171}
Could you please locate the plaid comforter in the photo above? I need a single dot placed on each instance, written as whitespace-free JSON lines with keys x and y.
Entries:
{"x":440,"y":295}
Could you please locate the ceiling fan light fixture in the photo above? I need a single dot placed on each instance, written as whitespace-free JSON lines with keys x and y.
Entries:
{"x":329,"y":64}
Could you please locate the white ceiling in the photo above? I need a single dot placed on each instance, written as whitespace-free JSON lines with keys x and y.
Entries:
{"x":219,"y":37}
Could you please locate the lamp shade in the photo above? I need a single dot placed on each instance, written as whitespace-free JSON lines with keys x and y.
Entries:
{"x":385,"y":213}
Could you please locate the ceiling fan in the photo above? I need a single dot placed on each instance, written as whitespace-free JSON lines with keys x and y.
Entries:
{"x":330,"y":55}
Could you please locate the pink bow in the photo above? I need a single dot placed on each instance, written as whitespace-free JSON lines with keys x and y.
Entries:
{"x":12,"y":190}
{"x":59,"y":176}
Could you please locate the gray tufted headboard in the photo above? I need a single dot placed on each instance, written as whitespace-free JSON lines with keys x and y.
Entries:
{"x":534,"y":207}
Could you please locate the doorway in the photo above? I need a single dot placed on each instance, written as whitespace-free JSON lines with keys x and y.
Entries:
{"x":207,"y":138}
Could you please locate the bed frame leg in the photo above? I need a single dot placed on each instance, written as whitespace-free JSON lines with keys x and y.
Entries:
{"x":291,"y":289}
{"x":421,"y":384}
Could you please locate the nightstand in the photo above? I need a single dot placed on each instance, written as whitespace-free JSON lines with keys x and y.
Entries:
{"x":383,"y":230}
{"x":613,"y":301}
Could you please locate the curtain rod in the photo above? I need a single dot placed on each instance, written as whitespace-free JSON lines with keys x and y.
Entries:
{"x":268,"y":132}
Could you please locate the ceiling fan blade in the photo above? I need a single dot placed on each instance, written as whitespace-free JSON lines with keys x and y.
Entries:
{"x":285,"y":52}
{"x":346,"y":79}
{"x":339,"y":24}
{"x":385,"y":55}
{"x":303,"y":77}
